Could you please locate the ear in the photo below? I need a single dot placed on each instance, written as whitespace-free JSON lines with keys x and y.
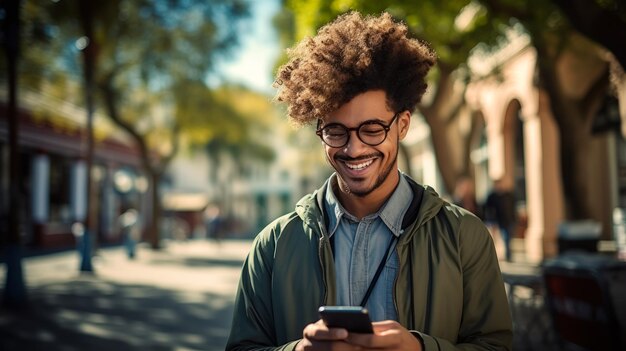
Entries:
{"x":404,"y":121}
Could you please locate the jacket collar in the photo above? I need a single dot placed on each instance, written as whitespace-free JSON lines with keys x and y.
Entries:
{"x":391,"y":213}
{"x":425,"y":205}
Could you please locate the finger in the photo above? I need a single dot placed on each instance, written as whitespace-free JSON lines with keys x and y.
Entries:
{"x":319,"y":331}
{"x":375,"y":341}
{"x":387,"y":334}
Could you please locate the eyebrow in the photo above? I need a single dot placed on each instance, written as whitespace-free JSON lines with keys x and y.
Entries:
{"x":378,"y":120}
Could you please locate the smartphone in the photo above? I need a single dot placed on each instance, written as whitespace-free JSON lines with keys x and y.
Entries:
{"x":355,"y":319}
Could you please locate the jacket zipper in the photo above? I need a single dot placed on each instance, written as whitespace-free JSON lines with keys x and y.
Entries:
{"x":322,"y":241}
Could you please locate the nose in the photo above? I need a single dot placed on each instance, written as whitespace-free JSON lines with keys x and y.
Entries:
{"x":355,"y":146}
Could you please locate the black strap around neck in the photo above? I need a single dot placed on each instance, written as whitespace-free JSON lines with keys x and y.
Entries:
{"x":381,"y":265}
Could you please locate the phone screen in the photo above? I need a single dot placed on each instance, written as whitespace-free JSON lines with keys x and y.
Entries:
{"x":354,"y":319}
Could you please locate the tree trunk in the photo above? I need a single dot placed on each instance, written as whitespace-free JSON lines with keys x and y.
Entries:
{"x":15,"y":295}
{"x":574,"y":117}
{"x":440,"y":115}
{"x":443,"y":153}
{"x":575,"y":153}
{"x":110,"y":101}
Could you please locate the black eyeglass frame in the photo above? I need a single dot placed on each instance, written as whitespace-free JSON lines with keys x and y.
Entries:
{"x":386,"y":128}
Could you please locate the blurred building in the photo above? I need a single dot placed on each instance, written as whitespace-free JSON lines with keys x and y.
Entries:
{"x":53,"y":174}
{"x":248,"y":192}
{"x":521,"y":141}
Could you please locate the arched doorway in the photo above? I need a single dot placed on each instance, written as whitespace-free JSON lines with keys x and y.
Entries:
{"x":515,"y":167}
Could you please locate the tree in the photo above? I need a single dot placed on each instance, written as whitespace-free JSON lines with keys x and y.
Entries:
{"x":15,"y":289}
{"x":142,"y":51}
{"x":553,"y":38}
{"x":453,"y":29}
{"x":604,"y":22}
{"x":240,"y":122}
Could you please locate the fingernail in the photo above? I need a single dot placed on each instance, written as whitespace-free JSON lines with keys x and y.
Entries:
{"x":341,"y":333}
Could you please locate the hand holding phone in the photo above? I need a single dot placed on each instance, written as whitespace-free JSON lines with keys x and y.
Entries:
{"x":354,"y":319}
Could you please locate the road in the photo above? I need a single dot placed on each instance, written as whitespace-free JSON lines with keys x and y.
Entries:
{"x":176,"y":299}
{"x":179,"y":298}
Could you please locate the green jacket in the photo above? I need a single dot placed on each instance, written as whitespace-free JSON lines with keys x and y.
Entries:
{"x":449,"y":288}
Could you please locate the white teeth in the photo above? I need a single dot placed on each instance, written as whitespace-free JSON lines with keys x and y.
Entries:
{"x":359,"y":166}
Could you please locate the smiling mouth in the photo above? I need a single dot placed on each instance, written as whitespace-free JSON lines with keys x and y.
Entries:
{"x":359,"y":166}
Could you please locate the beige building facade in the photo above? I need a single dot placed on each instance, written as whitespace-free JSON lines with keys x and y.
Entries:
{"x":523,"y":147}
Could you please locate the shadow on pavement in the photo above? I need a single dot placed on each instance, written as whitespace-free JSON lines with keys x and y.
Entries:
{"x":88,"y":313}
{"x":199,"y":261}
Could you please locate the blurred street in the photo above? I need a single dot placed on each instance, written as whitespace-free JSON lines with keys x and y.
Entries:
{"x":179,"y":298}
{"x":168,"y":123}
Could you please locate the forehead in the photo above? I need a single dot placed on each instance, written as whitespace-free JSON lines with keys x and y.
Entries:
{"x":370,"y":105}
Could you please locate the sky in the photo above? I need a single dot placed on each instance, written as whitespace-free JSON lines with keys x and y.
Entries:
{"x":252,"y":62}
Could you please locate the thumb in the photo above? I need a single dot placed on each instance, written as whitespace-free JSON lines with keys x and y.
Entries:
{"x":382,"y":326}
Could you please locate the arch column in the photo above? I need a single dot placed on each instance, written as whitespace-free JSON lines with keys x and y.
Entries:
{"x":40,"y":195}
{"x":544,"y":194}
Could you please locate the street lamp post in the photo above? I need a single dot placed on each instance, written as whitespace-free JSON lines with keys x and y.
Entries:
{"x":89,"y":53}
{"x":15,"y":290}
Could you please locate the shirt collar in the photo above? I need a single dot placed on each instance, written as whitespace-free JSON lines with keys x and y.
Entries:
{"x":334,"y":209}
{"x":391,"y":213}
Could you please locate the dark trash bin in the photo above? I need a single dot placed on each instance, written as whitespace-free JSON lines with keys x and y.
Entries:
{"x":586,"y":300}
{"x":579,"y":236}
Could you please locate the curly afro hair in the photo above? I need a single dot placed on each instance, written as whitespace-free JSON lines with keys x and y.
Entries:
{"x":349,"y":56}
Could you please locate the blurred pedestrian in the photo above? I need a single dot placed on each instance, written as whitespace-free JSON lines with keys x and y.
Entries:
{"x":213,"y":223}
{"x":131,"y":231}
{"x":499,"y":211}
{"x":465,"y":195}
{"x":425,"y":269}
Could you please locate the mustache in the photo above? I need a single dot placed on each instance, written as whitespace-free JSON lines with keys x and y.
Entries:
{"x":340,"y":157}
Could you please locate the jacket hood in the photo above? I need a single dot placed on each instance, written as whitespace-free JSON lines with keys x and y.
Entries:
{"x":425,"y":205}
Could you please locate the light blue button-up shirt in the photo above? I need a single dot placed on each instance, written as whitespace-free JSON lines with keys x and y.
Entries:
{"x":359,"y":247}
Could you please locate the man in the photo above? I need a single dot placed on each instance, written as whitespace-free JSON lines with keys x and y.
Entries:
{"x":439,"y":286}
{"x":500,"y":213}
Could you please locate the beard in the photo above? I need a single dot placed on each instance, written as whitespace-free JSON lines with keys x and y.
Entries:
{"x":380,"y":179}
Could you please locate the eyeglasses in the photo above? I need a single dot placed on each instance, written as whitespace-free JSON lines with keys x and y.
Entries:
{"x":371,"y":133}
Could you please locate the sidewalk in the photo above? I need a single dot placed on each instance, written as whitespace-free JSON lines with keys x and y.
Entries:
{"x":176,"y":299}
{"x":532,"y":324}
{"x":179,"y":298}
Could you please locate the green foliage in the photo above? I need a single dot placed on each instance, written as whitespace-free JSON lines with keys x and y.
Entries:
{"x":164,"y":40}
{"x":247,"y":121}
{"x":550,"y":29}
{"x":284,"y":24}
{"x":453,"y":28}
{"x":229,"y":119}
{"x":37,"y":41}
{"x":152,"y":58}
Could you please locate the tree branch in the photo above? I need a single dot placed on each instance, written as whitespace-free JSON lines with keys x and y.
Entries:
{"x":601,"y":25}
{"x":595,"y":94}
{"x":496,"y":6}
{"x":165,"y":160}
{"x":110,"y":105}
